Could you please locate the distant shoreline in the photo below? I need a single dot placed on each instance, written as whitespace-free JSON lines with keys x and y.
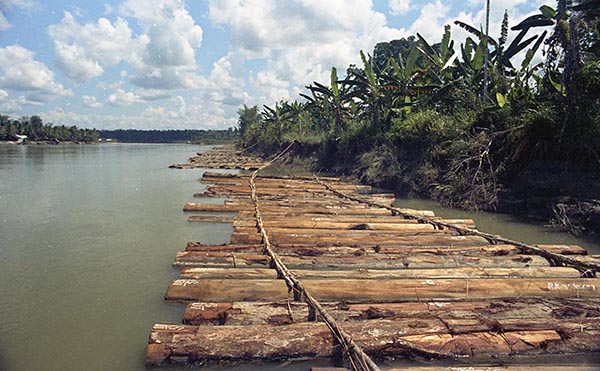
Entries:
{"x":42,"y":142}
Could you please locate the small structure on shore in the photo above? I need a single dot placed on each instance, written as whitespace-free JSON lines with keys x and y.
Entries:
{"x":20,"y":138}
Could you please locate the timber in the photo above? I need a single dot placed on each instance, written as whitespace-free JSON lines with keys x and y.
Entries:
{"x":460,"y":272}
{"x":176,"y":343}
{"x":318,"y":267}
{"x":373,"y":261}
{"x":286,"y":311}
{"x":388,"y":290}
{"x":315,"y":250}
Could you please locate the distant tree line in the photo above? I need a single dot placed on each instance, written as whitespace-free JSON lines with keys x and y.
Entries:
{"x":170,"y":136}
{"x":35,"y":130}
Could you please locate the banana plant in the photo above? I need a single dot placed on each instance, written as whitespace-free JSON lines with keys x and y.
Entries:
{"x":330,"y":101}
{"x":276,"y":118}
{"x":440,"y":61}
{"x":364,"y":86}
{"x":501,"y":57}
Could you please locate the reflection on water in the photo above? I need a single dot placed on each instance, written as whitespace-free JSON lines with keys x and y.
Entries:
{"x":88,"y":235}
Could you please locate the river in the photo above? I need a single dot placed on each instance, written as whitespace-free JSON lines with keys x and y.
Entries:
{"x":87,"y":237}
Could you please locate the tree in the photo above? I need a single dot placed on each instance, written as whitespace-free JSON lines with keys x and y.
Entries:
{"x":248,"y":118}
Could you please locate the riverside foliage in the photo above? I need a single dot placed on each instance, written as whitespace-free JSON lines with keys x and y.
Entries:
{"x":35,"y":130}
{"x":414,"y":117}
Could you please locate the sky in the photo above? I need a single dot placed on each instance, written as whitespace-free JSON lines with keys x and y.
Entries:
{"x":173,"y":64}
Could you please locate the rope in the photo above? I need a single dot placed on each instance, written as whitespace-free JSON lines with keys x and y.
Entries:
{"x":358,"y":359}
{"x":587,"y":268}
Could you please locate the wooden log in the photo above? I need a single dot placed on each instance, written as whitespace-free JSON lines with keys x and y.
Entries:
{"x":416,"y":261}
{"x":550,"y":364}
{"x":181,"y":343}
{"x":211,"y":219}
{"x":285,"y":312}
{"x":212,"y":174}
{"x":249,"y":215}
{"x":485,"y":250}
{"x":233,"y":260}
{"x":353,"y":290}
{"x":320,"y":225}
{"x":270,"y":211}
{"x":306,"y":196}
{"x":247,"y":219}
{"x":370,"y":274}
{"x":275,"y":190}
{"x":314,"y":250}
{"x":322,"y":198}
{"x":297,"y":202}
{"x":279,"y":184}
{"x":314,"y":233}
{"x":191,"y":206}
{"x":352,"y":239}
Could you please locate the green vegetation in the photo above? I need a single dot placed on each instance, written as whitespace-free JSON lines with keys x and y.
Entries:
{"x":421,"y":118}
{"x":35,"y":130}
{"x":171,"y":136}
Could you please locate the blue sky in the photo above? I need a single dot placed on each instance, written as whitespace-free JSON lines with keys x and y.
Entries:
{"x":171,"y":64}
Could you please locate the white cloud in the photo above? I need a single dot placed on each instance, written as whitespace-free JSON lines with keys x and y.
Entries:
{"x":431,"y":21}
{"x":84,"y":51}
{"x":10,"y":105}
{"x":162,"y":55}
{"x":300,"y":39}
{"x":91,"y":101}
{"x":108,"y":9}
{"x":399,"y":7}
{"x":4,"y":23}
{"x":19,"y":71}
{"x":7,"y":5}
{"x":151,"y":94}
{"x":123,"y":98}
{"x":273,"y":87}
{"x":167,"y":58}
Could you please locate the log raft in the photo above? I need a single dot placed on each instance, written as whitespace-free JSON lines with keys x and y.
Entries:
{"x":221,"y":159}
{"x":400,"y":287}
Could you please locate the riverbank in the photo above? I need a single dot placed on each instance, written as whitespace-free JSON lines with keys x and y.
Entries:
{"x":542,"y":193}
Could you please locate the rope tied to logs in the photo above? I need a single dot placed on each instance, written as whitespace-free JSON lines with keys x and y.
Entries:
{"x":554,"y":259}
{"x":357,"y":358}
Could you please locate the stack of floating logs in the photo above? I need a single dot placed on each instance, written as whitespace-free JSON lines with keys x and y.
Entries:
{"x":400,"y":287}
{"x":221,"y":159}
